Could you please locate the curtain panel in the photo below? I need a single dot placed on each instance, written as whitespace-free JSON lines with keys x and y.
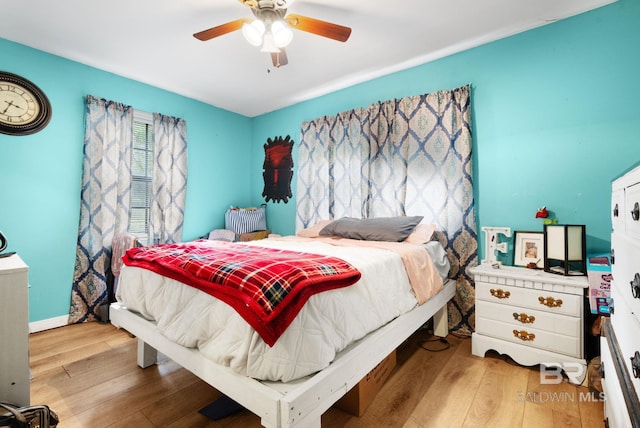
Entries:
{"x":106,"y":195}
{"x":169,"y":178}
{"x":104,"y":205}
{"x":409,"y":156}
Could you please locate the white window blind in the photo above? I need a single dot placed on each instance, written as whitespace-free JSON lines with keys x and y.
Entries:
{"x":141,"y":175}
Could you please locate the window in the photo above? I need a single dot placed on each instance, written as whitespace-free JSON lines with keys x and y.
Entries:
{"x":141,"y":175}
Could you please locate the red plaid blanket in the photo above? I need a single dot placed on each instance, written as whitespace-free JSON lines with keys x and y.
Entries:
{"x":266,"y":286}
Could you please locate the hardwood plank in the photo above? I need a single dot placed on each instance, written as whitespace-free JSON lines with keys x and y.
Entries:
{"x":196,"y":420}
{"x":84,"y":341}
{"x":592,"y":412}
{"x":188,"y":400}
{"x":110,"y":358}
{"x":496,"y":401}
{"x":87,"y":373}
{"x":244,"y":419}
{"x":562,"y":397}
{"x":137,"y":420}
{"x":416,"y":370}
{"x":448,"y":400}
{"x":565,"y":420}
{"x":129,"y":395}
{"x":46,"y":343}
{"x":536,"y":416}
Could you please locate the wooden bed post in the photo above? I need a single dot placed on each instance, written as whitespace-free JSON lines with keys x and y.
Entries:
{"x":441,"y":322}
{"x":147,"y":355}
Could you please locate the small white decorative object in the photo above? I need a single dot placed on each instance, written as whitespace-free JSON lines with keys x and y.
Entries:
{"x":492,"y":245}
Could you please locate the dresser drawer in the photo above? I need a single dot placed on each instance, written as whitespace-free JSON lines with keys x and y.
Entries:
{"x":533,"y":337}
{"x":624,"y":271}
{"x":525,"y":318}
{"x":615,"y":411}
{"x":542,"y":300}
{"x":627,"y":330}
{"x":632,"y":210}
{"x":618,"y":209}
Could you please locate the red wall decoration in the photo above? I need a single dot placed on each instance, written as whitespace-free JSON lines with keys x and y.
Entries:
{"x":278,"y":169}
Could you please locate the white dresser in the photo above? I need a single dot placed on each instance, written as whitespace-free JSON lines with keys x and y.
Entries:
{"x":620,"y":346}
{"x":533,"y":316}
{"x":14,"y":331}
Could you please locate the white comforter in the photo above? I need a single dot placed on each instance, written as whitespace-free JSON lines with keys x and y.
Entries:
{"x":327,"y":323}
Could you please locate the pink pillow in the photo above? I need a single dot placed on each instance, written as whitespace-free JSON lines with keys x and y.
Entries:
{"x":313,"y":231}
{"x":421,"y":234}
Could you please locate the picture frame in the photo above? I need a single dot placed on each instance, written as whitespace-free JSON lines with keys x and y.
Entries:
{"x":528,"y":248}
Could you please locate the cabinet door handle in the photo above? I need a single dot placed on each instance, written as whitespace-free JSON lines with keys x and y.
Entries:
{"x":500,"y":293}
{"x":615,"y":211}
{"x":635,"y":286}
{"x":613,"y":257}
{"x":635,"y":364}
{"x":524,"y":335}
{"x":550,"y":302}
{"x":635,"y":214}
{"x":524,"y":318}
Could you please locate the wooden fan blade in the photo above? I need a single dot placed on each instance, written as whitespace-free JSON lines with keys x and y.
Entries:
{"x":318,"y":27}
{"x":220,"y":30}
{"x":279,"y":58}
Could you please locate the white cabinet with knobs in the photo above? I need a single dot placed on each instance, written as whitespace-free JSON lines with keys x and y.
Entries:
{"x":533,"y":316}
{"x":620,"y":344}
{"x":14,"y":331}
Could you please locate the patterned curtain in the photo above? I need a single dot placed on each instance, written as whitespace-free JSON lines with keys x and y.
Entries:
{"x":169,"y":178}
{"x":105,"y":195}
{"x":104,"y":205}
{"x":410,"y":156}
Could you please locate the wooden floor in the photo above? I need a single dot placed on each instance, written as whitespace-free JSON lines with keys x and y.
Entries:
{"x":87,"y":373}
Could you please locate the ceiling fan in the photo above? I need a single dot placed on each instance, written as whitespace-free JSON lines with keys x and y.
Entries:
{"x":271,"y":28}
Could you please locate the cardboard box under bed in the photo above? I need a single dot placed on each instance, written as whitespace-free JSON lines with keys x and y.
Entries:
{"x":358,"y":399}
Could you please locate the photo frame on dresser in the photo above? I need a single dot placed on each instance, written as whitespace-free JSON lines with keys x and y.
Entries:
{"x":528,"y":247}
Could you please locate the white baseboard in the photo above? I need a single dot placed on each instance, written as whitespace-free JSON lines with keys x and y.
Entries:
{"x":47,"y":324}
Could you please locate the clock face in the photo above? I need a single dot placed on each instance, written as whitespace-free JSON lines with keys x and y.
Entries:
{"x":17,"y":104}
{"x":24,"y":109}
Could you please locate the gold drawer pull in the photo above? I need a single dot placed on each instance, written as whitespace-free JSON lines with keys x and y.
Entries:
{"x":524,"y":318}
{"x":550,"y":302}
{"x":523,"y":335}
{"x":500,"y":293}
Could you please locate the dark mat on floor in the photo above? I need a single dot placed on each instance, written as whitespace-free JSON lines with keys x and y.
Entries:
{"x":221,"y":408}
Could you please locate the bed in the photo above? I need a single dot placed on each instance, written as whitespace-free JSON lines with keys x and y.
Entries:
{"x":293,"y":381}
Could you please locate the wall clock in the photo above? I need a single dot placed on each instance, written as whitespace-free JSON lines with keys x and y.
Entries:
{"x":24,"y":108}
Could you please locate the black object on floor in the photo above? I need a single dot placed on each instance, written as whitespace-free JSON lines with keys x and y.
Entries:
{"x":221,"y":408}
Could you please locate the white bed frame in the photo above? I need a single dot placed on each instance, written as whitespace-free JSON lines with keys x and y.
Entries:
{"x":300,"y":403}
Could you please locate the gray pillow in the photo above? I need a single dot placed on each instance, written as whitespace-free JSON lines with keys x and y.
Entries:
{"x":391,"y":229}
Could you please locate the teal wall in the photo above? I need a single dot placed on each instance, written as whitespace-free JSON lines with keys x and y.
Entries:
{"x":554,"y":120}
{"x":41,"y":173}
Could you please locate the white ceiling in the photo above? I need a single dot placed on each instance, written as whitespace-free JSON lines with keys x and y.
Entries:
{"x":152,"y":41}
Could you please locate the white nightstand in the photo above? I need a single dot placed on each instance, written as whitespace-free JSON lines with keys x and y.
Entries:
{"x":14,"y":331}
{"x":533,"y":316}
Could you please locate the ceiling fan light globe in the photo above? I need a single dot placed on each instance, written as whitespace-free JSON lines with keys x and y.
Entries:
{"x":282,"y":34}
{"x":253,"y":32}
{"x":268,"y":43}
